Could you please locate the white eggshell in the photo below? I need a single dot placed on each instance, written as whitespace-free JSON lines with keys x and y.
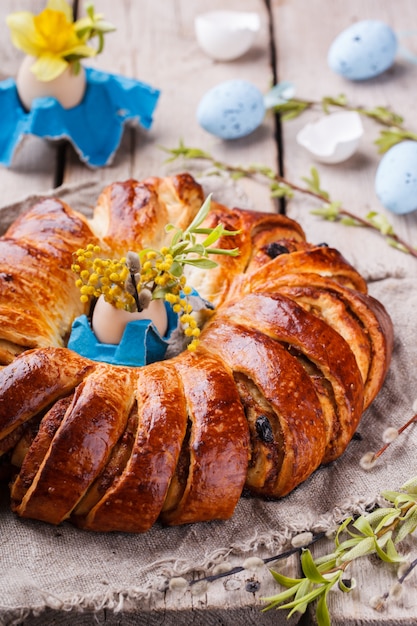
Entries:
{"x":226,"y":35}
{"x":109,"y":323}
{"x":396,"y":178}
{"x":232,"y":109}
{"x":68,"y":88}
{"x":363,"y":50}
{"x":334,"y":138}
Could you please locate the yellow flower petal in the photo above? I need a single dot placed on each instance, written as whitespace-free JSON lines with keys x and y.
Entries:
{"x":80,"y":50}
{"x":48,"y":66}
{"x":55,"y":32}
{"x":23,"y":32}
{"x":63,"y":6}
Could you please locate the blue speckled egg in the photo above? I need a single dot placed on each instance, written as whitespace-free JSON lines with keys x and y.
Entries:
{"x":232,"y":109}
{"x":396,"y":178}
{"x":363,"y":50}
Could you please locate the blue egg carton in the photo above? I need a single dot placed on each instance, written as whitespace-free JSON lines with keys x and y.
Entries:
{"x":94,"y":127}
{"x":140,"y":345}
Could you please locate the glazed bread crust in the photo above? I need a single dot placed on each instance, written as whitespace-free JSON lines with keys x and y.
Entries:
{"x":293,"y":354}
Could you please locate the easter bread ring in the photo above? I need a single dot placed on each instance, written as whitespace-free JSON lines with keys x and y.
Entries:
{"x":293,"y":354}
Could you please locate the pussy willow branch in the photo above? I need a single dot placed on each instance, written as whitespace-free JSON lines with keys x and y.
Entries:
{"x":412,"y":420}
{"x":254,"y":172}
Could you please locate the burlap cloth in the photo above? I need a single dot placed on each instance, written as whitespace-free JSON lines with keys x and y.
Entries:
{"x":67,"y":569}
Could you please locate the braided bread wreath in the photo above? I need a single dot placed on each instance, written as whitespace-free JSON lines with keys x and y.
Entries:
{"x":294,"y":353}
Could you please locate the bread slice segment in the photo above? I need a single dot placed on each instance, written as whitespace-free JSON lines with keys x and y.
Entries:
{"x":133,"y":501}
{"x":82,"y":445}
{"x":218,"y":449}
{"x":282,"y":319}
{"x":36,"y":379}
{"x":277,"y":395}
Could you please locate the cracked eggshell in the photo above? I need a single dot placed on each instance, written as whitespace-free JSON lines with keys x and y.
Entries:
{"x":334,"y":138}
{"x":226,"y":35}
{"x":396,"y":178}
{"x":364,"y":50}
{"x":232,"y":109}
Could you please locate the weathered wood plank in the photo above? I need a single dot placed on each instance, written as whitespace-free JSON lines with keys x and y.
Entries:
{"x":155,"y":43}
{"x":34,"y":164}
{"x":304,"y":32}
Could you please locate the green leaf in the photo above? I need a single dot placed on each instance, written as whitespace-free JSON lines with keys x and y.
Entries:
{"x":410,"y":486}
{"x":322,"y":611}
{"x":387,"y":520}
{"x":364,"y":526}
{"x":204,"y":264}
{"x":207,"y":231}
{"x":201,"y":215}
{"x":389,"y":138}
{"x":236,"y":175}
{"x":273,"y":601}
{"x":186,"y":152}
{"x":350,"y":221}
{"x":285,"y":581}
{"x":376,"y":516}
{"x":382,"y":115}
{"x":279,"y":190}
{"x":344,"y":587}
{"x":326,"y":562}
{"x":407,"y":527}
{"x":176,"y":269}
{"x":409,"y":512}
{"x":215,"y":234}
{"x":303,"y":589}
{"x":328,"y":211}
{"x":159,"y":292}
{"x":291,"y":109}
{"x":390,"y":495}
{"x":231,"y":252}
{"x":348,"y":544}
{"x":198,"y":248}
{"x":366,"y":546}
{"x":338,"y":101}
{"x":178,"y":248}
{"x":397,"y":245}
{"x":310,"y":568}
{"x":309,"y":597}
{"x":390,"y":555}
{"x":380,"y":222}
{"x":341,"y":528}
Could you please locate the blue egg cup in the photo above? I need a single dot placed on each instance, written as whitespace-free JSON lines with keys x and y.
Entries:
{"x":94,"y":127}
{"x":141,"y":343}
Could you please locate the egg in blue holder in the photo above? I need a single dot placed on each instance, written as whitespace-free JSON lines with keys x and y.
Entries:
{"x":141,"y":343}
{"x":94,"y":127}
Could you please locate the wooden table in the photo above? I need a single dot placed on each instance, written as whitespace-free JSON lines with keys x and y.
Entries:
{"x":155,"y":43}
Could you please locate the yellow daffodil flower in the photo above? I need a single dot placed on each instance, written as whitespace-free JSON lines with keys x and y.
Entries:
{"x":54,"y":39}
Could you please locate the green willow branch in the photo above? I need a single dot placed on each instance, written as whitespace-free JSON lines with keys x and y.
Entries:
{"x":281,"y":187}
{"x":394,"y":130}
{"x":374,"y":533}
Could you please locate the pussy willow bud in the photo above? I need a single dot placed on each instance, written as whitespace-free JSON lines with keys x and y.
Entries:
{"x":145,"y":297}
{"x":367,"y":461}
{"x":131,"y":285}
{"x":133,"y":262}
{"x":389,"y":435}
